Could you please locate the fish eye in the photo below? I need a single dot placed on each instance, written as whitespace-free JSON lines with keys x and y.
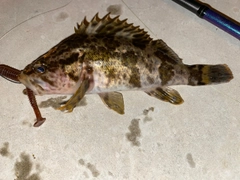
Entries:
{"x":40,"y":68}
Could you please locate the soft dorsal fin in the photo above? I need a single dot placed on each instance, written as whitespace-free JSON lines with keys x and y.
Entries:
{"x":108,"y":26}
{"x":164,"y":48}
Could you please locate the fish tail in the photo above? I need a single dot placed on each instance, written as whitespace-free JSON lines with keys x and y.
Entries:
{"x":209,"y":74}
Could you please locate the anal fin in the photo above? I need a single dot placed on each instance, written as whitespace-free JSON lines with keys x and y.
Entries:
{"x":166,"y":94}
{"x":113,"y":100}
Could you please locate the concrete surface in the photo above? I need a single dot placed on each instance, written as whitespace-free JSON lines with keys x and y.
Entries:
{"x":199,"y":139}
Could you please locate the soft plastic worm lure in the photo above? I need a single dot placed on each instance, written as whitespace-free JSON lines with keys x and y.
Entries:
{"x":11,"y":74}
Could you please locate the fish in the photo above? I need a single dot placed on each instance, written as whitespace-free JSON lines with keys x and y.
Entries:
{"x":106,"y":56}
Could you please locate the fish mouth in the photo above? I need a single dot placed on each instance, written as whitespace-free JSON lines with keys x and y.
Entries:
{"x":22,"y":78}
{"x":31,"y":84}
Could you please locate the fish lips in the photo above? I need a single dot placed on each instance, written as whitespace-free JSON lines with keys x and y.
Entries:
{"x":31,"y":83}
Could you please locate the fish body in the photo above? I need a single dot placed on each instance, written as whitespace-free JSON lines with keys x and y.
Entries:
{"x":108,"y":55}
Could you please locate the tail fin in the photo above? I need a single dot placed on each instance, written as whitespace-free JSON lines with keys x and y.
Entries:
{"x":209,"y":74}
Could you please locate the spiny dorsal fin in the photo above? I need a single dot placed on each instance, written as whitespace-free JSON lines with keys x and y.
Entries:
{"x":112,"y":27}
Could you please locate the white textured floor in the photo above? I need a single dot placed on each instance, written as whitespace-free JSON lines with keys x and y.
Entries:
{"x":199,"y":139}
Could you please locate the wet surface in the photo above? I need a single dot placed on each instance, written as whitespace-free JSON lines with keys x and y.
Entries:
{"x":152,"y":139}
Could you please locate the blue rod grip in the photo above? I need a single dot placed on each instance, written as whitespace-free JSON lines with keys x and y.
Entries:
{"x":211,"y":15}
{"x":222,"y":22}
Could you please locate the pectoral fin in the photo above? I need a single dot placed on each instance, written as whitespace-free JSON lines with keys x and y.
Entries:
{"x":114,"y":101}
{"x":79,"y":94}
{"x":166,"y":94}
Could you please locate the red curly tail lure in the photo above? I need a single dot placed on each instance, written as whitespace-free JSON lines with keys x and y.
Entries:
{"x":11,"y":74}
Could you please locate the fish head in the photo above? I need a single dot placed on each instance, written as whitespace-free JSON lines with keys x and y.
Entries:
{"x":53,"y":73}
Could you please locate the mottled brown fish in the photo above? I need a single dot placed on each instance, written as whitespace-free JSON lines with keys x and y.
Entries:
{"x":108,"y":55}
